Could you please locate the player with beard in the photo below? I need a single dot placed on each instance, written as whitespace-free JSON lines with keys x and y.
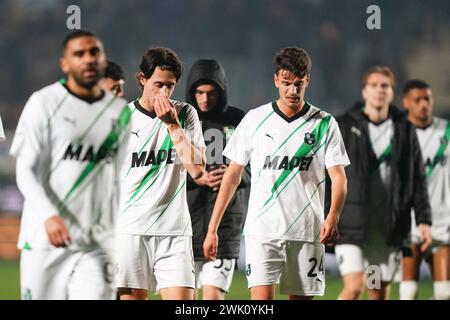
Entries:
{"x":67,"y":146}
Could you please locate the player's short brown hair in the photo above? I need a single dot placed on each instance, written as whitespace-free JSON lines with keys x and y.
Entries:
{"x":293,"y":59}
{"x":384,"y":70}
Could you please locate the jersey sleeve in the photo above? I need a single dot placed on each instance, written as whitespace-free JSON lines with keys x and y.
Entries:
{"x":29,"y":138}
{"x":239,"y":147}
{"x":193,"y":128}
{"x":335,"y":153}
{"x":33,"y":191}
{"x":2,"y":133}
{"x":27,"y":146}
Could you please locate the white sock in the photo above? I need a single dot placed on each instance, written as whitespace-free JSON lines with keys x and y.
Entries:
{"x":408,"y":290}
{"x":441,"y":290}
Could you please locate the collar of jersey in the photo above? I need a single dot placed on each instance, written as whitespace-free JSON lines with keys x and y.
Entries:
{"x":143,"y":110}
{"x":302,"y":112}
{"x":89,"y":100}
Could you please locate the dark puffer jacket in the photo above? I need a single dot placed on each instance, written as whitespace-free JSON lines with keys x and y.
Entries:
{"x":201,"y":199}
{"x":408,"y":184}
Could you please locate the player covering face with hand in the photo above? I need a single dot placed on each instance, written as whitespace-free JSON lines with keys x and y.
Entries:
{"x":154,"y":242}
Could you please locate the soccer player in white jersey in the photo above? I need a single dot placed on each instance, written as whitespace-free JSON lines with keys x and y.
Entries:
{"x":434,"y":135}
{"x":290,"y":145}
{"x":154,"y":239}
{"x":68,"y":148}
{"x":386,"y":179}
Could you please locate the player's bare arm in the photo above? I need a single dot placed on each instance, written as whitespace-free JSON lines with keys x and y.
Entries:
{"x":329,"y":231}
{"x":230,"y":182}
{"x":193,"y":158}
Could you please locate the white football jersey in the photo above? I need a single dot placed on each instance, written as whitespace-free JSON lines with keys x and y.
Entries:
{"x":2,"y":133}
{"x":153,"y":184}
{"x":288,"y":158}
{"x":433,"y":142}
{"x":74,"y":148}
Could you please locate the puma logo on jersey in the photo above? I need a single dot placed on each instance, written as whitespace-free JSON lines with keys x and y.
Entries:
{"x":148,"y":158}
{"x":71,"y":121}
{"x":302,"y":163}
{"x":268,"y":135}
{"x":86,"y":153}
{"x":136,"y":133}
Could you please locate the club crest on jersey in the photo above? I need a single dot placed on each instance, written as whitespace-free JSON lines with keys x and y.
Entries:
{"x":228,"y":131}
{"x":310,"y":138}
{"x":444,"y":140}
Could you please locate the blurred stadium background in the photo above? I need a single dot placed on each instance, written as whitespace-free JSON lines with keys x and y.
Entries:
{"x":414,"y":41}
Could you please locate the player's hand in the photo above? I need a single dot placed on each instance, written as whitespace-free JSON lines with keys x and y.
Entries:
{"x":216,"y":177}
{"x":329,"y":230}
{"x":213,"y":178}
{"x":425,"y":236}
{"x":164,"y":110}
{"x":210,"y":245}
{"x":57,"y":232}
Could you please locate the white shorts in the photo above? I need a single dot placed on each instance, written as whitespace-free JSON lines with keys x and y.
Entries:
{"x":296,"y":265}
{"x":57,"y":274}
{"x":154,"y":262}
{"x":352,"y":258}
{"x":218,"y":273}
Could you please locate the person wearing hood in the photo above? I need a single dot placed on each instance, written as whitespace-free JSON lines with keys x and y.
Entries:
{"x":207,"y":91}
{"x":385,"y":181}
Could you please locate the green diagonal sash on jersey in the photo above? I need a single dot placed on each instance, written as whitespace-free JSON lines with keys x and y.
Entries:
{"x":386,"y":154}
{"x":109,"y":144}
{"x":320,"y":132}
{"x":80,"y":139}
{"x":166,"y":145}
{"x":146,"y":142}
{"x":167,"y":206}
{"x":440,"y":153}
{"x":292,"y":133}
{"x":287,"y":183}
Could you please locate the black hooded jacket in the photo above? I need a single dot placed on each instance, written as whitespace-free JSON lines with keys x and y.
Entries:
{"x":408,"y":184}
{"x":201,"y":199}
